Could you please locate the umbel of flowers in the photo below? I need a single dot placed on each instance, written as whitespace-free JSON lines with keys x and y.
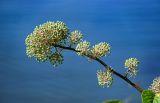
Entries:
{"x":100,"y":50}
{"x":40,"y":42}
{"x":132,"y":64}
{"x":104,"y":78}
{"x":75,"y":37}
{"x":83,"y":48}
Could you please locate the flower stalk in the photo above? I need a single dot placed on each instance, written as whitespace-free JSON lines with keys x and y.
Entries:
{"x":137,"y":87}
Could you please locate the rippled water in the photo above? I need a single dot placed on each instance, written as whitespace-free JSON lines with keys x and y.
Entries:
{"x":131,"y":27}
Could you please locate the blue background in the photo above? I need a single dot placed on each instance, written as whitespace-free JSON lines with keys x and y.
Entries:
{"x":132,"y":27}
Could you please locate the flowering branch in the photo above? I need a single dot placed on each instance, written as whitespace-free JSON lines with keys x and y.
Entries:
{"x":48,"y":40}
{"x":107,"y":67}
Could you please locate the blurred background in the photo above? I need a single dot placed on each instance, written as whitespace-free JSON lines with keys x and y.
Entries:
{"x":132,"y":27}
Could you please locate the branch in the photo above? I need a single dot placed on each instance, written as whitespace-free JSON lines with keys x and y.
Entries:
{"x":137,"y":87}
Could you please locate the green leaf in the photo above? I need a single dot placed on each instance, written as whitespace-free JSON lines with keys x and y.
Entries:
{"x":156,"y":99}
{"x":113,"y":101}
{"x":147,"y":96}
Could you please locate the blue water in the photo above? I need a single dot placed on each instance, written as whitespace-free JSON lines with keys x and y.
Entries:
{"x":132,"y":27}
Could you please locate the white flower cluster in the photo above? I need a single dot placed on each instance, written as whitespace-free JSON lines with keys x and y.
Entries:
{"x":132,"y":64}
{"x":104,"y":78}
{"x":100,"y":50}
{"x":75,"y":37}
{"x":155,"y":86}
{"x":83,"y":48}
{"x":40,"y":41}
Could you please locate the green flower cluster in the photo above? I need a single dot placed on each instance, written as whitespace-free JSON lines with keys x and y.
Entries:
{"x":132,"y":64}
{"x":56,"y":58}
{"x":83,"y":48}
{"x":155,"y":86}
{"x":75,"y":37}
{"x":100,"y":50}
{"x":40,"y":42}
{"x":104,"y":78}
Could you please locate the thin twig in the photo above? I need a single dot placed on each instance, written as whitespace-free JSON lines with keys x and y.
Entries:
{"x":137,"y":87}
